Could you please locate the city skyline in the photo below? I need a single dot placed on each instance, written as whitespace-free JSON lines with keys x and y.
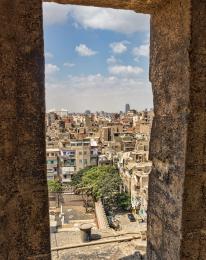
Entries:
{"x":95,"y":111}
{"x":96,"y":59}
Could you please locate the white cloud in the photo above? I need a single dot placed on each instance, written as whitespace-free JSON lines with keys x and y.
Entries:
{"x":98,"y":92}
{"x":110,"y":19}
{"x":83,"y":50}
{"x":69,"y":65}
{"x":49,"y":55}
{"x":111,"y":60}
{"x":142,"y":50}
{"x":91,"y":81}
{"x":51,"y":69}
{"x":123,"y":70}
{"x":118,"y":47}
{"x":122,"y":21}
{"x":55,"y":13}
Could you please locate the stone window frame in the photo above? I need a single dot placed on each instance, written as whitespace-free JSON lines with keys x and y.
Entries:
{"x":177,"y":184}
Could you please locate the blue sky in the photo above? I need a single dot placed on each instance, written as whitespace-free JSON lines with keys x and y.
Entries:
{"x":96,"y":58}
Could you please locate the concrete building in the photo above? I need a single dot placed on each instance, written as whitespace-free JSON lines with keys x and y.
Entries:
{"x":106,"y":134}
{"x":83,"y":153}
{"x":52,"y":163}
{"x":75,"y":156}
{"x":139,"y":188}
{"x":67,"y":164}
{"x":127,"y":108}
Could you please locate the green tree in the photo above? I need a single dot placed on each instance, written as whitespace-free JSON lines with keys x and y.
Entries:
{"x":76,"y":183}
{"x":101,"y":182}
{"x":123,"y":201}
{"x":77,"y":178}
{"x":55,"y":187}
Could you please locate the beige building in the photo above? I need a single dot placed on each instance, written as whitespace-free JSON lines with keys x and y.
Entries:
{"x":139,"y":188}
{"x":52,"y":163}
{"x":82,"y":153}
{"x":106,"y":134}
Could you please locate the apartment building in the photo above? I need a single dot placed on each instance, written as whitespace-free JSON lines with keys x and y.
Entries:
{"x":52,"y":163}
{"x":67,"y":164}
{"x":82,"y":153}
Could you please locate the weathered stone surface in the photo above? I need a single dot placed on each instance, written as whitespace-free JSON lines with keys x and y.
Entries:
{"x":169,"y":74}
{"x":141,"y":6}
{"x":24,"y":223}
{"x":194,"y":198}
{"x":110,"y":251}
{"x":176,"y":213}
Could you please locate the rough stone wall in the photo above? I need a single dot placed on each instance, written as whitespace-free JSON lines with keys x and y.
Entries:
{"x":141,"y":6}
{"x":169,"y":74}
{"x":24,"y":223}
{"x":176,"y":212}
{"x":194,"y":198}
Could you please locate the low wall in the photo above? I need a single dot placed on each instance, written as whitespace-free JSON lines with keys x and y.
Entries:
{"x":101,"y":216}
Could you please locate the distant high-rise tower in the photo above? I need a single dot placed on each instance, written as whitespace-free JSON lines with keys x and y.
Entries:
{"x":127,"y":108}
{"x":87,"y":112}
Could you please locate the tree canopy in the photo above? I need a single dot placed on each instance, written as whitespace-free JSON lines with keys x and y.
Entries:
{"x":77,"y":178}
{"x":54,"y":186}
{"x":101,"y":182}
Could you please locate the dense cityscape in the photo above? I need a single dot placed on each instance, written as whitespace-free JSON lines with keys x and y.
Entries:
{"x":87,"y":143}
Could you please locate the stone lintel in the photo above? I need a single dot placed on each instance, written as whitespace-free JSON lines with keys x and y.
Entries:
{"x":141,"y":6}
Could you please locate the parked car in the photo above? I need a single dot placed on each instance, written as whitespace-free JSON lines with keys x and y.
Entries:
{"x":131,"y":217}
